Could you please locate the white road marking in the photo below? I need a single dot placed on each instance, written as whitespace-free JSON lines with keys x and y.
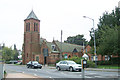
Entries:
{"x":99,"y":76}
{"x":51,"y":78}
{"x":62,"y":73}
{"x":91,"y":73}
{"x":48,"y":72}
{"x":88,"y":77}
{"x":35,"y":74}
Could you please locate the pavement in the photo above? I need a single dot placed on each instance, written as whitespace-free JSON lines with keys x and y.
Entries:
{"x":20,"y":75}
{"x":103,"y":70}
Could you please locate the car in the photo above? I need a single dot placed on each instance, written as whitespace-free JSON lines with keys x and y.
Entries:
{"x":33,"y":64}
{"x":68,"y":65}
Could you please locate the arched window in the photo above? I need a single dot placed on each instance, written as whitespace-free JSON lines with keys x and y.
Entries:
{"x":35,"y":26}
{"x":27,"y":26}
{"x":69,"y":56}
{"x":37,"y":58}
{"x":27,"y":55}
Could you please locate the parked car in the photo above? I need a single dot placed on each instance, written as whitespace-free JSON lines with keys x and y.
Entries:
{"x":13,"y":61}
{"x":68,"y":65}
{"x":33,"y":64}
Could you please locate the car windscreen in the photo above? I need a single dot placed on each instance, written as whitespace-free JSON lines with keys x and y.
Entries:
{"x":35,"y":63}
{"x":71,"y":62}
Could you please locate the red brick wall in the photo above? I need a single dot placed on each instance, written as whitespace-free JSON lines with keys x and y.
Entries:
{"x":42,"y":56}
{"x":31,"y":41}
{"x":53,"y":57}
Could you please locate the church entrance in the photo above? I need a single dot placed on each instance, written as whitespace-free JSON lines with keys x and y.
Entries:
{"x":45,"y":60}
{"x":45,"y":54}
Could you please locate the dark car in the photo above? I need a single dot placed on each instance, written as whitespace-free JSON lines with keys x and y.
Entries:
{"x":33,"y":64}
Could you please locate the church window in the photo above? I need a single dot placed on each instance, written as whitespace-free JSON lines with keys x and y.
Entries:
{"x":27,"y":26}
{"x":54,"y":48}
{"x":27,"y":54}
{"x":35,"y":26}
{"x":37,"y":58}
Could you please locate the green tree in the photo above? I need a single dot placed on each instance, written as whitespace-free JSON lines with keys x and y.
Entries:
{"x":107,"y":33}
{"x":7,"y":54}
{"x":78,"y":39}
{"x":109,"y":41}
{"x":15,"y":55}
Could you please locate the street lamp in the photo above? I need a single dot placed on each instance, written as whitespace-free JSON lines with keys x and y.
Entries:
{"x":94,"y":39}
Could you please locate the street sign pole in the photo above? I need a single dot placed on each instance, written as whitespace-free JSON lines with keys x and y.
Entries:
{"x":82,"y":69}
{"x":84,"y":65}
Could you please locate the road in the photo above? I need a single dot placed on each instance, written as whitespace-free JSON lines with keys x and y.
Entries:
{"x":51,"y":72}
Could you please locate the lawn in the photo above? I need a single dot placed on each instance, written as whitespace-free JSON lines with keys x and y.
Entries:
{"x":108,"y":66}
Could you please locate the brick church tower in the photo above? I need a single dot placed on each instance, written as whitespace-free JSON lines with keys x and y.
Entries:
{"x":31,"y":45}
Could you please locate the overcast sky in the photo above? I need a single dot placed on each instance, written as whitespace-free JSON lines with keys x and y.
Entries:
{"x":54,"y":15}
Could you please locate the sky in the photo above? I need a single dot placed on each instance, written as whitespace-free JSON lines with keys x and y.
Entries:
{"x":54,"y":16}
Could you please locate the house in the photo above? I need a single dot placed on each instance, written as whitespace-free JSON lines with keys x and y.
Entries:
{"x":98,"y":57}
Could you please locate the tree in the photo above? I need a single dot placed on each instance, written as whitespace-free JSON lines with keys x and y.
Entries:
{"x":15,"y":55}
{"x":109,"y":41}
{"x":107,"y":33}
{"x":78,"y":39}
{"x":7,"y":53}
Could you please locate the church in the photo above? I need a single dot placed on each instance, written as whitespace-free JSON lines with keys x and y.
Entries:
{"x":39,"y":49}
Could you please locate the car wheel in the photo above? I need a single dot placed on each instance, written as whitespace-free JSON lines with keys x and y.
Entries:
{"x":58,"y":68}
{"x":71,"y":69}
{"x":27,"y":66}
{"x":80,"y":70}
{"x":40,"y":67}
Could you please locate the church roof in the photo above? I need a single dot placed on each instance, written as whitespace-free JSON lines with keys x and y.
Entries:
{"x":67,"y":47}
{"x":32,"y":16}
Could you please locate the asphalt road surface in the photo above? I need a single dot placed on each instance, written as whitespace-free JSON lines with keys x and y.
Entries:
{"x":51,"y":72}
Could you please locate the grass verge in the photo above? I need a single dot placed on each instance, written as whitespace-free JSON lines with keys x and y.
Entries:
{"x":108,"y":66}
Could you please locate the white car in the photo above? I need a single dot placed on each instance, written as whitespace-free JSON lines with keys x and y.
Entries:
{"x":68,"y":65}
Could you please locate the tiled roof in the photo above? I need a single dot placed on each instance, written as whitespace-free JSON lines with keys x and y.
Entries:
{"x":32,"y":16}
{"x":49,"y":44}
{"x":66,"y":47}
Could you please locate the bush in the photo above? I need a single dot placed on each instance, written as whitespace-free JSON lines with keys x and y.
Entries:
{"x":76,"y":59}
{"x":90,"y":64}
{"x":115,"y":60}
{"x":57,"y":61}
{"x":112,"y":61}
{"x":8,"y":62}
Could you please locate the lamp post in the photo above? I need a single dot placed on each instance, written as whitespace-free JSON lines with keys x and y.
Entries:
{"x":94,"y":39}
